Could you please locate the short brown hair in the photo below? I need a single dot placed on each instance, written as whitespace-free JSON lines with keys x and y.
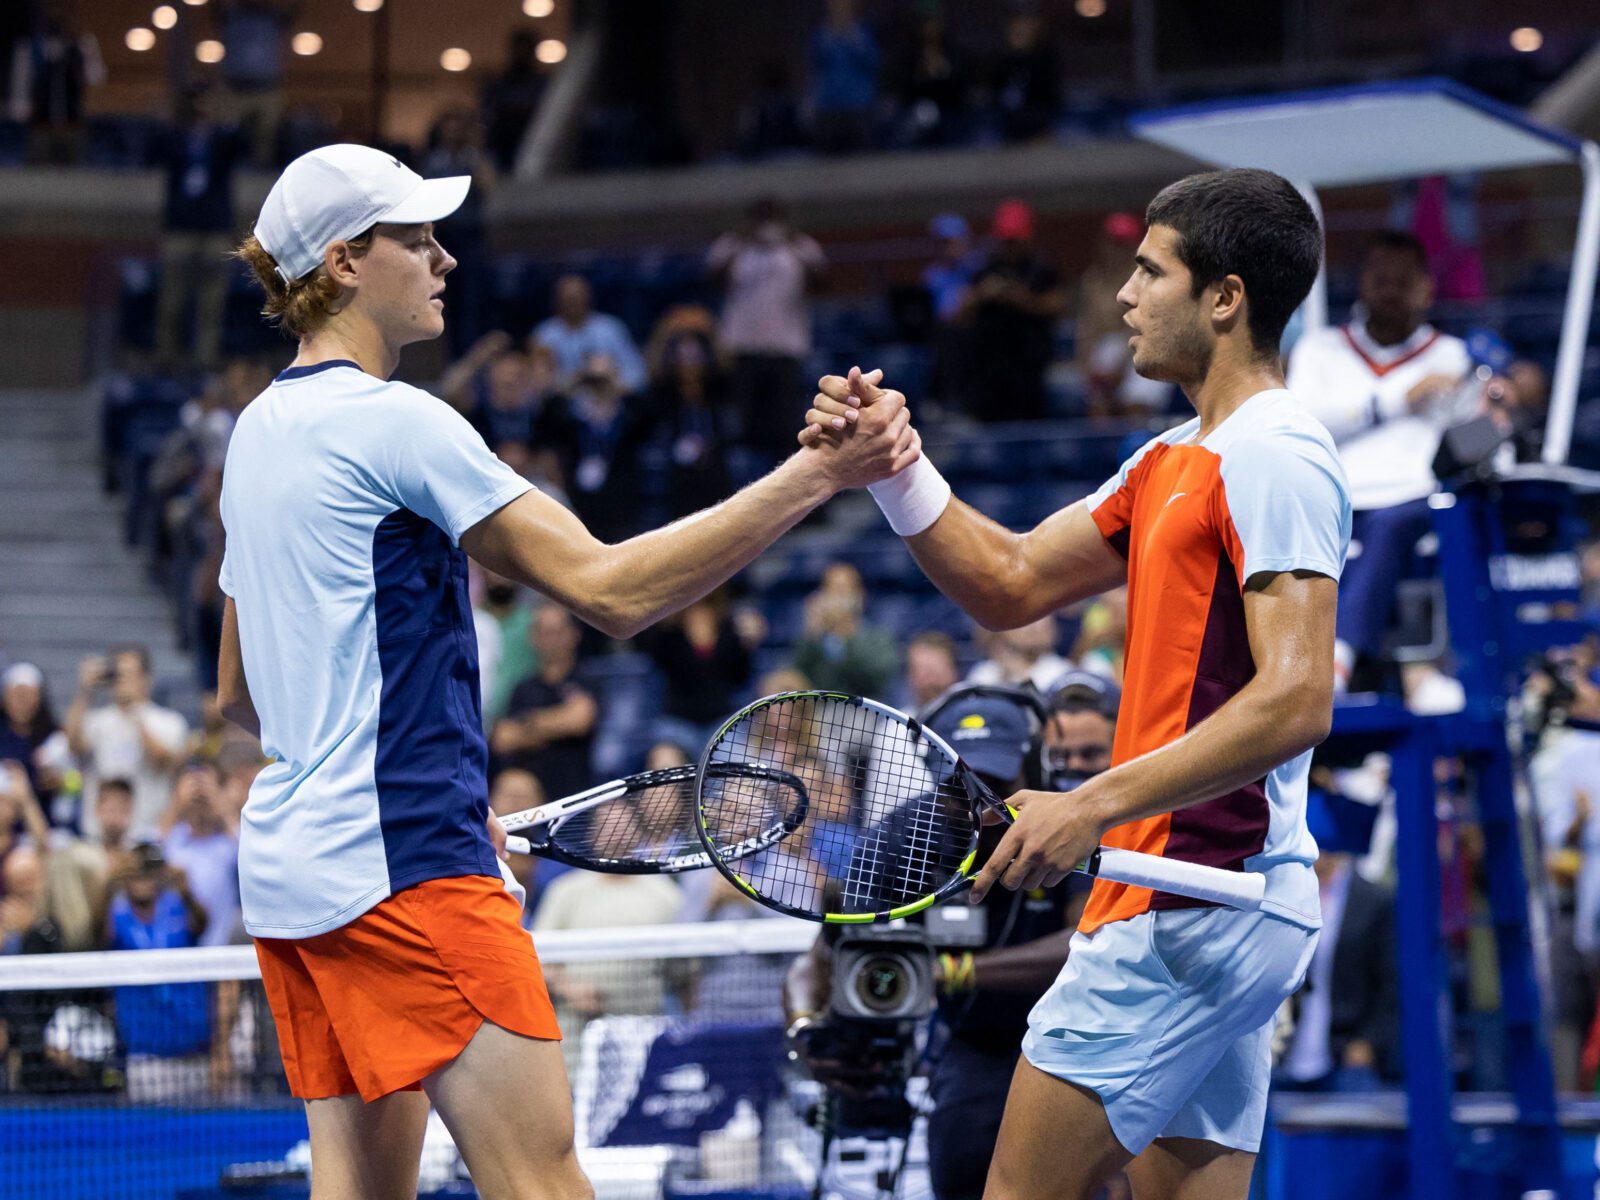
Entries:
{"x":299,"y":308}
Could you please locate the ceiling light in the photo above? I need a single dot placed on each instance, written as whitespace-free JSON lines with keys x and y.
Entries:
{"x":455,"y":59}
{"x":139,"y":39}
{"x":164,"y":17}
{"x":306,"y":44}
{"x":368,"y":5}
{"x":210,"y":51}
{"x":1527,"y":39}
{"x":1090,"y":8}
{"x":538,"y":8}
{"x":194,"y":3}
{"x":550,"y":51}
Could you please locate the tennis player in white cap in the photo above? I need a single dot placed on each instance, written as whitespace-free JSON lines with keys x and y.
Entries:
{"x":390,"y":949}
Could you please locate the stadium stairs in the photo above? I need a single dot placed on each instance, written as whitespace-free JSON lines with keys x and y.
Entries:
{"x":69,"y":586}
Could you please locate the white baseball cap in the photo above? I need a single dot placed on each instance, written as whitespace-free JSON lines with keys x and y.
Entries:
{"x":339,"y":191}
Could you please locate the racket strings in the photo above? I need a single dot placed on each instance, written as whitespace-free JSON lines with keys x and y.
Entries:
{"x":888,"y":823}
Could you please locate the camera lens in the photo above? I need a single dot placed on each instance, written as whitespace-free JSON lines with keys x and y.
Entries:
{"x":882,"y":982}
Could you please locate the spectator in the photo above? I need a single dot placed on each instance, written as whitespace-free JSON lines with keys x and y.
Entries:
{"x":933,"y":101}
{"x":1386,"y":385}
{"x":596,"y":432}
{"x":947,"y":280}
{"x":166,"y":1028}
{"x":202,"y":841}
{"x":576,"y":333}
{"x":19,"y":814}
{"x":1027,"y":83}
{"x":1102,"y":634}
{"x":200,"y":156}
{"x":767,"y":269}
{"x":690,"y":403}
{"x":1025,"y":655}
{"x":770,"y":124}
{"x":507,"y":604}
{"x":1589,"y":574}
{"x":1012,"y":308}
{"x":52,"y":70}
{"x":56,"y":894}
{"x":254,"y":31}
{"x":108,"y":854}
{"x":511,"y":98}
{"x":503,"y":390}
{"x":931,"y":670}
{"x":456,"y":147}
{"x":131,"y":737}
{"x":1347,"y":1034}
{"x":844,"y":79}
{"x":515,"y":791}
{"x":29,"y":734}
{"x":704,"y":654}
{"x":550,"y":721}
{"x":836,"y":651}
{"x":1103,"y":355}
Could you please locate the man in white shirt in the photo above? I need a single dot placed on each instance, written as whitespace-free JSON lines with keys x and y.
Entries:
{"x":131,"y":738}
{"x":1386,"y":385}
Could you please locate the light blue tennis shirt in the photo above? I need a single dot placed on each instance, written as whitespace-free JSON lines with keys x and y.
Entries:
{"x":344,"y":497}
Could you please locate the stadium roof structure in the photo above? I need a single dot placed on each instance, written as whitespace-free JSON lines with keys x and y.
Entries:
{"x":1338,"y":137}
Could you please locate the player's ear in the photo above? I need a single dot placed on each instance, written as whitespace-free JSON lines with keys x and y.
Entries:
{"x":339,"y":261}
{"x":1227,"y":306}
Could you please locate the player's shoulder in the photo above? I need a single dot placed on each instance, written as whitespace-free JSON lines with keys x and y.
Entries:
{"x":1275,"y":420}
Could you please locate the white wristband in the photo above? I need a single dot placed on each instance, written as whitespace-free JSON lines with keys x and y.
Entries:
{"x":914,"y":499}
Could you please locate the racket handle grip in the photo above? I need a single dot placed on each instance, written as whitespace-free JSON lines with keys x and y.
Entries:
{"x":518,"y":845}
{"x":1236,"y":889}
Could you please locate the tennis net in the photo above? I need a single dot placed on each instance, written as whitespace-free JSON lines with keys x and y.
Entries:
{"x":155,"y":1075}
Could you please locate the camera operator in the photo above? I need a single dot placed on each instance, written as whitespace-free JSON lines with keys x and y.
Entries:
{"x":1009,"y":738}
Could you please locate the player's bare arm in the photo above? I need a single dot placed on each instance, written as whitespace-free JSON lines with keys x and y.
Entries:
{"x":233,"y":692}
{"x":1285,"y":709}
{"x":1000,"y":578}
{"x":623,"y":588}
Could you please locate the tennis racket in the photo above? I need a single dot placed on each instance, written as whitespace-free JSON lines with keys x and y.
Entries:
{"x":644,"y":824}
{"x":894,"y":817}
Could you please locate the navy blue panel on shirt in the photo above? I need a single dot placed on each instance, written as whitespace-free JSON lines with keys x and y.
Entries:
{"x":313,"y":369}
{"x":431,"y":761}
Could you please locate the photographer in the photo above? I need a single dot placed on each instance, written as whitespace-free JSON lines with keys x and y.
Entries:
{"x":985,"y":993}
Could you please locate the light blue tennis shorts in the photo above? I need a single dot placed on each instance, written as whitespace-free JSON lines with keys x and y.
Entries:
{"x":1168,"y":1018}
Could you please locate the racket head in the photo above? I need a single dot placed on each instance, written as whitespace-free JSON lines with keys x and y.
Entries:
{"x":644,"y":824}
{"x":892,"y":826}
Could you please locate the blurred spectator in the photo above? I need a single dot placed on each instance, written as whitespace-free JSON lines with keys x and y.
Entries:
{"x":931,"y":670}
{"x":202,"y":841}
{"x":1012,"y":308}
{"x":1024,"y":655}
{"x":507,"y":603}
{"x":704,"y":654}
{"x":836,"y":651}
{"x":770,"y":124}
{"x":1103,"y":355}
{"x":767,"y":269}
{"x":1347,"y":1032}
{"x":456,"y":147}
{"x":254,"y":32}
{"x":844,"y":79}
{"x":934,"y":97}
{"x":52,"y":69}
{"x":130,"y":737}
{"x":20,"y":815}
{"x":199,"y":156}
{"x":29,"y":734}
{"x":1102,"y":634}
{"x":1589,"y":574}
{"x":596,"y":431}
{"x":690,"y":399}
{"x":514,"y":791}
{"x":109,"y":852}
{"x":511,"y":98}
{"x":1386,"y":385}
{"x":166,"y":1028}
{"x":1027,"y":83}
{"x":947,"y":280}
{"x":550,"y":720}
{"x":501,"y":389}
{"x":577,"y":333}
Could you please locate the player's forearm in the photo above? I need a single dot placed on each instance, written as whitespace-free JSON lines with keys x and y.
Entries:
{"x":1030,"y":967}
{"x":651,"y":576}
{"x":977,"y":563}
{"x":1263,"y":726}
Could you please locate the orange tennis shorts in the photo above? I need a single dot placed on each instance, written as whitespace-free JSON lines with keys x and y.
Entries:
{"x":379,"y":1004}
